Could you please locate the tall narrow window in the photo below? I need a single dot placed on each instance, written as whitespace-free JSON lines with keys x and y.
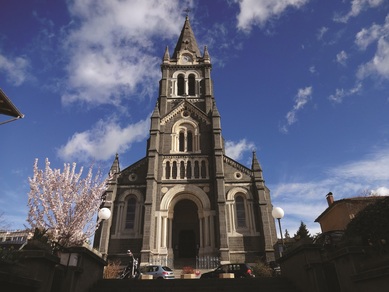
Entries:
{"x":189,"y":141}
{"x":203,"y":169}
{"x":167,"y":173}
{"x":189,"y":170}
{"x":192,"y":84}
{"x":182,"y":169}
{"x":174,"y":170}
{"x":130,"y":213}
{"x":196,"y":170}
{"x":180,"y":85}
{"x":181,"y":138}
{"x":240,"y":212}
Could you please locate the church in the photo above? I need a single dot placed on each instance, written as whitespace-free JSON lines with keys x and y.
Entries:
{"x":186,"y":197}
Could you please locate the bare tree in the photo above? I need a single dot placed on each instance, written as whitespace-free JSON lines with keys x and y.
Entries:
{"x":65,"y":204}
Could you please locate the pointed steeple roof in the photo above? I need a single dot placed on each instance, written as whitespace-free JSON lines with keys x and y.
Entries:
{"x":206,"y":56}
{"x":187,"y":41}
{"x":166,"y":56}
{"x":155,"y":113}
{"x":256,"y":167}
{"x":115,"y":168}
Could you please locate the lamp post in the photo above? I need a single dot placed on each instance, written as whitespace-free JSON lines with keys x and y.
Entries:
{"x":278,"y":213}
{"x":104,"y":214}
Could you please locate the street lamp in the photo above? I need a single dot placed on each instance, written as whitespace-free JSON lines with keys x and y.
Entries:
{"x":104,"y":214}
{"x":278,"y":213}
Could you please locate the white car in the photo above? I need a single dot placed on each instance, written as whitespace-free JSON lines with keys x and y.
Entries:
{"x":158,"y":272}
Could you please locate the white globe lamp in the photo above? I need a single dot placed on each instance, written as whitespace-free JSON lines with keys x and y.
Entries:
{"x":104,"y":214}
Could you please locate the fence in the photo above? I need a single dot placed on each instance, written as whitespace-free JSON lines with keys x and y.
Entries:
{"x":163,"y":261}
{"x":207,"y":262}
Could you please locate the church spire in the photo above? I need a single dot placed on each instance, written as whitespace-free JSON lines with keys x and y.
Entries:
{"x":206,"y":56}
{"x":186,"y":41}
{"x":115,"y":168}
{"x":166,"y":56}
{"x":256,"y":167}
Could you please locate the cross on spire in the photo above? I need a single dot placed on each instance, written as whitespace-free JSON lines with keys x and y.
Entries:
{"x":187,"y":10}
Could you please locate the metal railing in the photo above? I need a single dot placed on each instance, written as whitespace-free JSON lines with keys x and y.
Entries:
{"x":207,"y":262}
{"x":163,"y":261}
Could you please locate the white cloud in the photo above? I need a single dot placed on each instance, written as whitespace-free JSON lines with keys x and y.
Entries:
{"x":110,"y":47}
{"x":254,"y":12}
{"x":367,"y":36}
{"x":381,"y":191}
{"x":305,"y":200}
{"x":235,"y":150}
{"x":357,"y":6}
{"x":379,"y":65}
{"x":302,"y":97}
{"x":103,"y":141}
{"x":374,"y":167}
{"x":340,"y":94}
{"x":321,"y":32}
{"x":341,"y":58}
{"x":15,"y":70}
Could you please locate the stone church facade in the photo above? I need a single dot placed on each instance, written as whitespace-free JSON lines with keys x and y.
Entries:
{"x":186,"y":198}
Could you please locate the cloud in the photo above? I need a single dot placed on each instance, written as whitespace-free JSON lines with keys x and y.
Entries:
{"x":341,"y":58}
{"x":374,"y":167}
{"x":15,"y":70}
{"x":381,"y":191}
{"x":110,"y":46}
{"x":254,"y":12}
{"x":103,"y":141}
{"x":321,"y":32}
{"x":379,"y":64}
{"x":346,"y":180}
{"x":340,"y":94}
{"x":367,"y":36}
{"x":357,"y":6}
{"x":235,"y":150}
{"x":302,"y":97}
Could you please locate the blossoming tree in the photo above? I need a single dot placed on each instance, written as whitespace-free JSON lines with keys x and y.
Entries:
{"x":64,"y":203}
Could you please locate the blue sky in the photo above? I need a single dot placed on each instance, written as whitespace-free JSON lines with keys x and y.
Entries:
{"x":304,"y":82}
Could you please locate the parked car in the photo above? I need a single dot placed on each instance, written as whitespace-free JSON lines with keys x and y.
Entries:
{"x":239,"y":271}
{"x":158,"y":272}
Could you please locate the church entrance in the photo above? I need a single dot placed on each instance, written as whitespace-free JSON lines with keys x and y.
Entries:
{"x":187,"y":244}
{"x":186,"y":234}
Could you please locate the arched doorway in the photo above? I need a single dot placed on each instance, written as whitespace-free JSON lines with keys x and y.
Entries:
{"x":186,"y":234}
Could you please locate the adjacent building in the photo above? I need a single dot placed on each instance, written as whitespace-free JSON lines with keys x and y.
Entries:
{"x":339,"y":213}
{"x":186,"y":197}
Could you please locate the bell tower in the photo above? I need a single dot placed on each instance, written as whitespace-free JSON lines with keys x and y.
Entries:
{"x":186,"y":197}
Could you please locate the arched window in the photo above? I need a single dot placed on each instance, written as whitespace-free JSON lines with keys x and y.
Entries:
{"x":196,"y":170}
{"x":189,"y":170}
{"x":180,"y":85}
{"x":174,"y":170}
{"x":130,"y":213}
{"x":192,"y":84}
{"x":181,"y":138}
{"x":189,"y":141}
{"x":182,"y":169}
{"x":167,"y":173}
{"x":240,"y":212}
{"x":185,"y":135}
